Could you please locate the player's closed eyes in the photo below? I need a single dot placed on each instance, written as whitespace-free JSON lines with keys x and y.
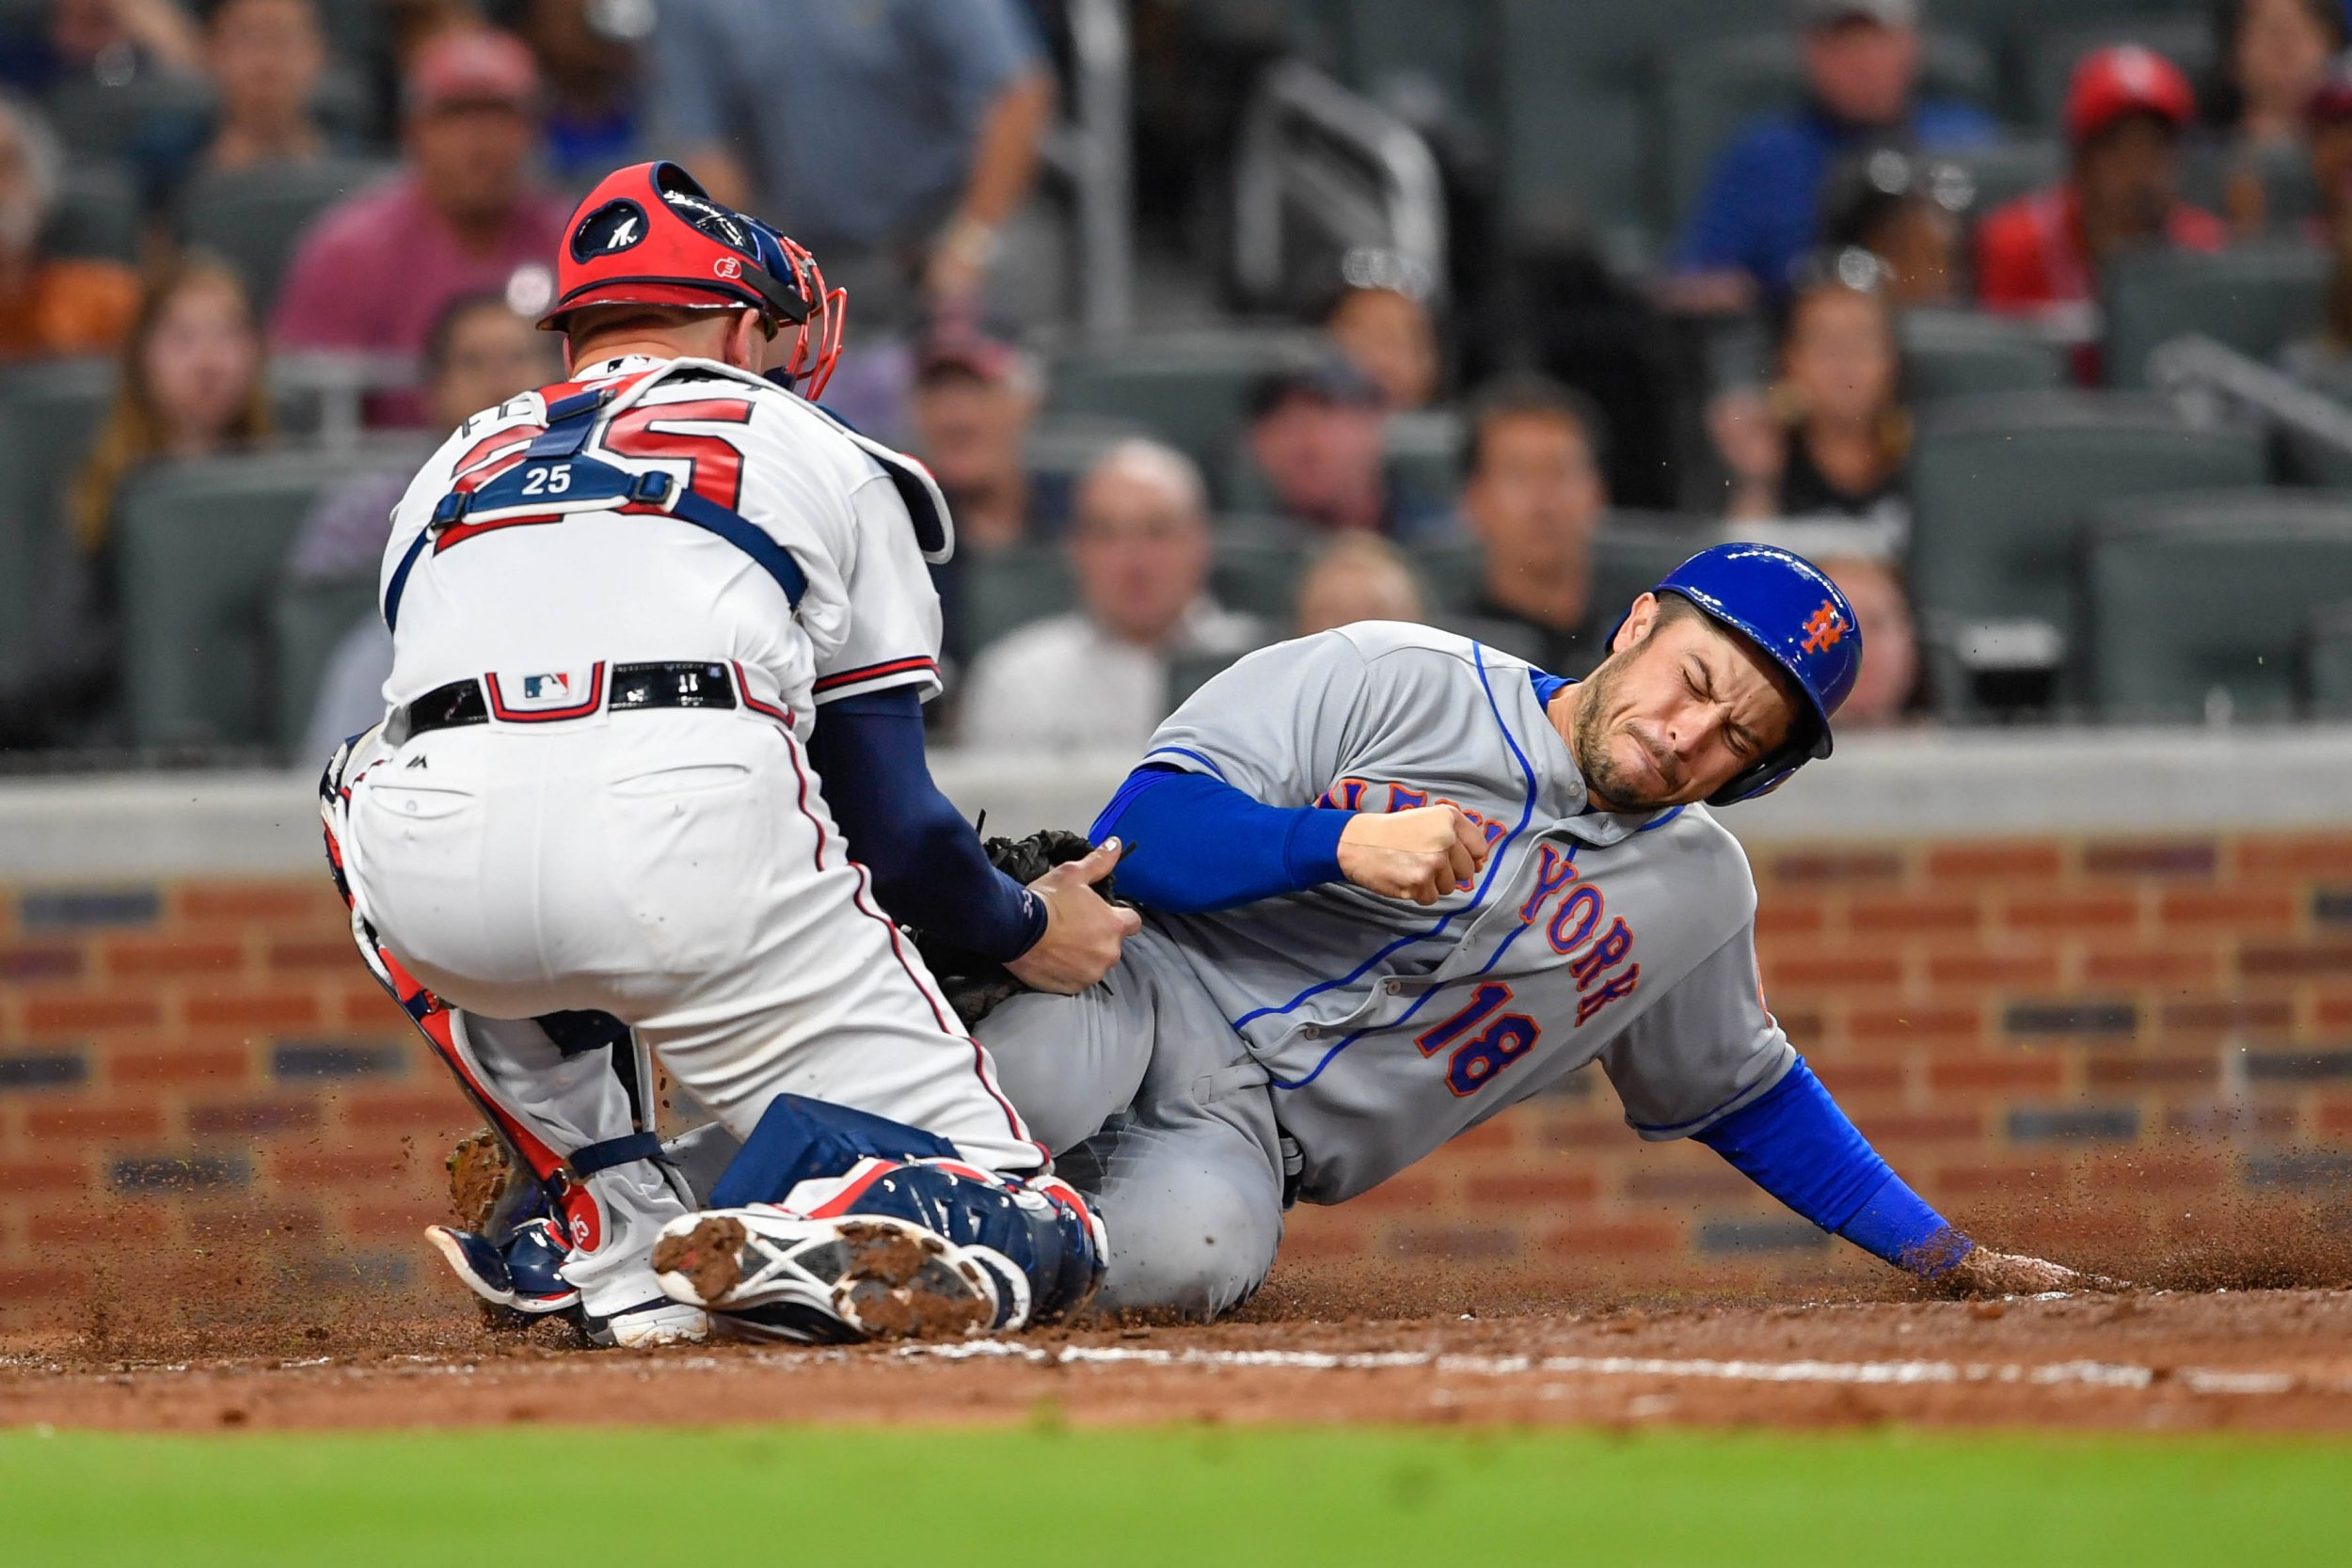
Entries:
{"x":1701,"y":684}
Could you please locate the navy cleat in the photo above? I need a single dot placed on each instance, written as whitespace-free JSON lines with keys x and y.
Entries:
{"x":523,"y":1274}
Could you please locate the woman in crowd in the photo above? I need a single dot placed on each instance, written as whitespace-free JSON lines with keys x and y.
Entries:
{"x":2270,"y":56}
{"x":1381,"y":321}
{"x":190,"y":387}
{"x":1830,"y":436}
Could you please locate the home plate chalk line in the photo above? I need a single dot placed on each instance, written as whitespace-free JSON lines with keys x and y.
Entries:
{"x":2094,"y":1374}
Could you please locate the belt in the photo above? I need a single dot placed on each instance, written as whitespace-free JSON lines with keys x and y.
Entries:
{"x":670,"y":684}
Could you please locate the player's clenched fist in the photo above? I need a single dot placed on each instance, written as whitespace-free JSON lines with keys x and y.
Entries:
{"x":1421,"y":854}
{"x":1083,"y":930}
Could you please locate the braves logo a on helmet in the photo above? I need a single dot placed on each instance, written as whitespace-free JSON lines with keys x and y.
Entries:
{"x":649,"y":236}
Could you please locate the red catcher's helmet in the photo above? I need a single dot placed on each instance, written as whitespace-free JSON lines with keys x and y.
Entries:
{"x":649,"y":234}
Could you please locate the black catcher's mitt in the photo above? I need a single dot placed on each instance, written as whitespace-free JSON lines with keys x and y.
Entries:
{"x":976,"y":985}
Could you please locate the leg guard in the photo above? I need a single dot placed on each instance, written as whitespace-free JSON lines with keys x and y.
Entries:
{"x":893,"y":1241}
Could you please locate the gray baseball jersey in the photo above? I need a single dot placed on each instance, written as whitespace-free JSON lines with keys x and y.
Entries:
{"x":1388,"y":1027}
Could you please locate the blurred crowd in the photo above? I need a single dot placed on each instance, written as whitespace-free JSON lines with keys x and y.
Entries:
{"x":241,"y":228}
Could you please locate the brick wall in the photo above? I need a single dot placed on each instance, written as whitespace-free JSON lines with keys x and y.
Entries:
{"x":197,"y":1073}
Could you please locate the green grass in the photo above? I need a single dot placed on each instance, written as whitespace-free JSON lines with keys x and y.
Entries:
{"x":1203,"y":1497}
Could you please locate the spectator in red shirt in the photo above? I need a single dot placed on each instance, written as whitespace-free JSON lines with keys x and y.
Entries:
{"x":2125,"y":109}
{"x":464,"y":217}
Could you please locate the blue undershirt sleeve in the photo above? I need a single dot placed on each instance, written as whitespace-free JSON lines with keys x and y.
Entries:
{"x":1797,"y":1145}
{"x":1197,"y":844}
{"x":927,"y":862}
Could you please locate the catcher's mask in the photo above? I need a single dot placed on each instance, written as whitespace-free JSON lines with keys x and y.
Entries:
{"x":648,"y":234}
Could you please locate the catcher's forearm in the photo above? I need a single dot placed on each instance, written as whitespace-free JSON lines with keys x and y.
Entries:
{"x":927,"y":862}
{"x":1795,"y":1143}
{"x":1199,"y":844}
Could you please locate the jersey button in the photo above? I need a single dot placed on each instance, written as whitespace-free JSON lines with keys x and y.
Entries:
{"x":1392,"y":986}
{"x":1313,"y":1032}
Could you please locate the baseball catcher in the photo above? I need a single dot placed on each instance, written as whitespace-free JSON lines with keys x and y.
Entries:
{"x":593,"y":830}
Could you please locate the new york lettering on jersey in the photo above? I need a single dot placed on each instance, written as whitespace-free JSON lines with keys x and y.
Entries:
{"x":1386,"y":1028}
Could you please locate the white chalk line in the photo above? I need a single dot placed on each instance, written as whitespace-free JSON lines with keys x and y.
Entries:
{"x":2093,"y":1375}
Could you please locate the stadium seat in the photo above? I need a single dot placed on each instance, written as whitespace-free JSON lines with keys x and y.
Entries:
{"x":1580,"y":155}
{"x":2045,"y":56}
{"x":2255,"y":298}
{"x":2303,"y":459}
{"x":254,"y":217}
{"x":1191,"y":391}
{"x":49,"y":415}
{"x":2000,"y":485}
{"x":1001,"y":590}
{"x":1709,"y":90}
{"x":2197,"y":604}
{"x":1188,"y":673}
{"x":97,"y":213}
{"x":1514,"y":638}
{"x":2004,"y":170}
{"x":1060,"y":448}
{"x":306,"y":621}
{"x":1396,"y":50}
{"x":1948,"y":353}
{"x":2327,"y":665}
{"x":1632,"y":550}
{"x":1424,"y":452}
{"x":1576,"y":163}
{"x":112,"y":119}
{"x":200,"y":545}
{"x":1258,"y":577}
{"x":2290,"y":195}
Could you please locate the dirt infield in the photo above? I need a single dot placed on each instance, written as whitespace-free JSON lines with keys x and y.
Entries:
{"x":2278,"y":1360}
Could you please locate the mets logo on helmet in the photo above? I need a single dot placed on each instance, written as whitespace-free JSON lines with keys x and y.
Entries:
{"x":1825,"y":629}
{"x":727,"y":267}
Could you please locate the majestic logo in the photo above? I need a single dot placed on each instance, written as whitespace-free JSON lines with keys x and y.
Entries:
{"x":1825,"y":630}
{"x":727,"y":267}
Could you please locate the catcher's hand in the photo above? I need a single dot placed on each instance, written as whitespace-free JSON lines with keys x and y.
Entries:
{"x":1084,"y":926}
{"x":1083,"y":930}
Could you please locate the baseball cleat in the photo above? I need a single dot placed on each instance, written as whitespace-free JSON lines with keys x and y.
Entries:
{"x":658,"y":1321}
{"x":521,"y":1275}
{"x":774,"y":1275}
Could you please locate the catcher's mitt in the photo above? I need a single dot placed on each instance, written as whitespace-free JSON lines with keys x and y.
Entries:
{"x":975,"y":985}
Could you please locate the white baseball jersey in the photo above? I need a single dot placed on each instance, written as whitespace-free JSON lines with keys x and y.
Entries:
{"x":542,"y":596}
{"x":677,"y":869}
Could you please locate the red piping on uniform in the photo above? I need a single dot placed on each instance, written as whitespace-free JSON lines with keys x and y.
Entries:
{"x":930,"y":997}
{"x":871,"y":672}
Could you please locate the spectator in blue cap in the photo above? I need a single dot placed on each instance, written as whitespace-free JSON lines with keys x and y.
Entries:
{"x":1758,"y":213}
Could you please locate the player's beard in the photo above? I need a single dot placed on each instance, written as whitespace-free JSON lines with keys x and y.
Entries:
{"x":1588,"y":742}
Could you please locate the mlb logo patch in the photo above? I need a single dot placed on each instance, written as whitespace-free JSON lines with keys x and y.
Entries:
{"x":538,"y":690}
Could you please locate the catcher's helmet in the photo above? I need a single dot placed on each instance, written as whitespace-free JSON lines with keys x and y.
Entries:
{"x":1795,"y":616}
{"x":648,"y":234}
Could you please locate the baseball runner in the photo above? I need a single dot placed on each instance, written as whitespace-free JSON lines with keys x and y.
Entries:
{"x":592,"y":830}
{"x":1398,"y":882}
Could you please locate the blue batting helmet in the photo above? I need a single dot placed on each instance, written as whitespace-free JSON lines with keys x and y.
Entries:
{"x":1795,"y":616}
